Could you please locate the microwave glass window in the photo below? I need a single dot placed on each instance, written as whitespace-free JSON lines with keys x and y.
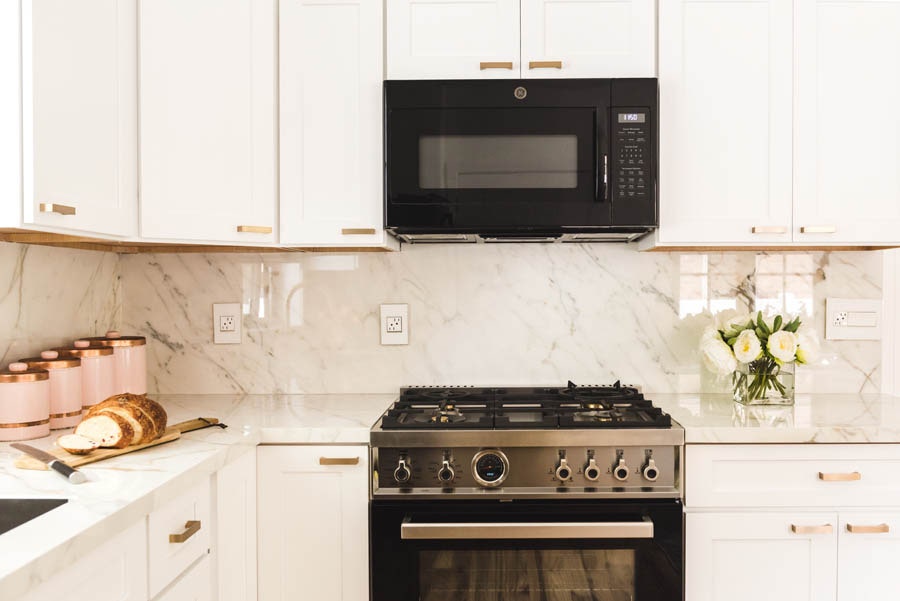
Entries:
{"x":448,"y":162}
{"x":532,"y":574}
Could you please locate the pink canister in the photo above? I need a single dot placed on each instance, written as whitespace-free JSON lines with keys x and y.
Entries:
{"x":131,"y":360}
{"x":24,"y":402}
{"x":98,"y":371}
{"x":65,"y":387}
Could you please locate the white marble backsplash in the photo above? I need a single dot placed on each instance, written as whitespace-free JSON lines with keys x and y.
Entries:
{"x":486,"y":314}
{"x":51,"y":296}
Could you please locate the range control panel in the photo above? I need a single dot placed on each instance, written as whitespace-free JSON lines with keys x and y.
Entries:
{"x":631,"y":154}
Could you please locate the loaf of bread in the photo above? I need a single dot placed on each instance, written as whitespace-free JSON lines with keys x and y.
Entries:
{"x":119,"y":421}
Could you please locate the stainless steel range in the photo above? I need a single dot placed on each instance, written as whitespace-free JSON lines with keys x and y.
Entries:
{"x":526,"y":493}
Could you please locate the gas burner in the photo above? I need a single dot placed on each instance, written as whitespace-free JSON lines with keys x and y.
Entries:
{"x":616,"y":392}
{"x":446,"y":413}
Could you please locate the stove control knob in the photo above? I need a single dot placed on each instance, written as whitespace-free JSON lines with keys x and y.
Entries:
{"x":446,"y":473}
{"x":591,"y":471}
{"x":650,"y":471}
{"x":403,"y":472}
{"x":563,"y":471}
{"x":620,"y":471}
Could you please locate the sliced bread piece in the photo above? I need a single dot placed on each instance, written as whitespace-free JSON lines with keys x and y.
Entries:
{"x":107,"y":430}
{"x":144,"y":429}
{"x":76,"y":444}
{"x":154,"y":411}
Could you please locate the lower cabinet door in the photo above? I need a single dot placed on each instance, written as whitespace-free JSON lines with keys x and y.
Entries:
{"x":195,"y":585}
{"x":313,"y":512}
{"x":761,"y":556}
{"x":869,"y":548}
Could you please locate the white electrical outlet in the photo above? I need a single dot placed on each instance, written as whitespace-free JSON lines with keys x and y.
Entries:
{"x":394,"y":324}
{"x":852,"y":319}
{"x":227,"y":323}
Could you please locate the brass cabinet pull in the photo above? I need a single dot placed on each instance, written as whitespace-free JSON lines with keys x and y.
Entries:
{"x":191,"y":527}
{"x":338,"y":460}
{"x":545,"y":65}
{"x":254,"y":229}
{"x":818,"y":229}
{"x":496,"y":65}
{"x":46,"y":207}
{"x":869,"y":529}
{"x":358,"y":231}
{"x":850,"y":477}
{"x":823,"y":529}
{"x":768,"y":229}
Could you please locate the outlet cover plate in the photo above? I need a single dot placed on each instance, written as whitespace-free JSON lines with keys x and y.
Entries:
{"x":225,"y":330}
{"x":853,"y":319}
{"x":394,"y":324}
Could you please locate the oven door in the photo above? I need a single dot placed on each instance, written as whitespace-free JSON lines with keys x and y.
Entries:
{"x":474,"y":157}
{"x":527,"y":550}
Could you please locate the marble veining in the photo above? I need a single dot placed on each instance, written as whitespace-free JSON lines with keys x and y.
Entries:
{"x":51,"y":296}
{"x":516,"y":314}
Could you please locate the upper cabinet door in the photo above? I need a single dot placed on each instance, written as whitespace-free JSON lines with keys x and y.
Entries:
{"x":847,"y":127}
{"x":331,"y":122}
{"x":725,"y":80}
{"x":588,"y":38}
{"x":208,"y":128}
{"x":452,"y":39}
{"x":79,"y":109}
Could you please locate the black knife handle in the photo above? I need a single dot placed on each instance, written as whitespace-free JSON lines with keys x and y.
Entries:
{"x":71,"y":474}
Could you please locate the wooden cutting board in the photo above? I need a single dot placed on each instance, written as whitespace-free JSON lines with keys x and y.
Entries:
{"x":173,"y":432}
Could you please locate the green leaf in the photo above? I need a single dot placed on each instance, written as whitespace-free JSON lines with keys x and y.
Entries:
{"x":762,"y":336}
{"x":731,"y":341}
{"x":777,"y":325}
{"x":761,"y":324}
{"x":793,"y":326}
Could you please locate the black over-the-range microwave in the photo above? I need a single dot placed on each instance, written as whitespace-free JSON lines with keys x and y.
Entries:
{"x":533,"y":160}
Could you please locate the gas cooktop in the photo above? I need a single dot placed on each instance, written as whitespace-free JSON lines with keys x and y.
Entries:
{"x":573,"y":406}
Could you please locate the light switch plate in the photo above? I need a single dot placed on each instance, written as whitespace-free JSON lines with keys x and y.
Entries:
{"x":853,"y":319}
{"x":394,"y":324}
{"x":227,"y":323}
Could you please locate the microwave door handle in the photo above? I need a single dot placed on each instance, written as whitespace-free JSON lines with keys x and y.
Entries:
{"x":527,"y":530}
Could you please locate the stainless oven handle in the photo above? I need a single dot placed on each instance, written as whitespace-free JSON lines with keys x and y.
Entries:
{"x":527,"y":530}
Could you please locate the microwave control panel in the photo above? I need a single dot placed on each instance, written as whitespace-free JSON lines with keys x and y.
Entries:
{"x":631,"y":154}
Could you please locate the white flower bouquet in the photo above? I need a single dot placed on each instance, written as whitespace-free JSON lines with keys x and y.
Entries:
{"x":760,"y":353}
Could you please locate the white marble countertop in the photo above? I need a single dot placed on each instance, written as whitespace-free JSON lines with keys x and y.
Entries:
{"x":121,"y":490}
{"x":814,"y":418}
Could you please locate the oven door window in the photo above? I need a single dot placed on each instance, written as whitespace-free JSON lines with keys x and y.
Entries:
{"x":538,"y":574}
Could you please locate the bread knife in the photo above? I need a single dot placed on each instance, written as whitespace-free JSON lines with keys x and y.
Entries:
{"x":54,"y":463}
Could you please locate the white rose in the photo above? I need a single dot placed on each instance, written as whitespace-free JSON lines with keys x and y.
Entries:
{"x":736,"y":323}
{"x":747,"y":347}
{"x":807,"y":348}
{"x":717,"y":355}
{"x":783,"y":345}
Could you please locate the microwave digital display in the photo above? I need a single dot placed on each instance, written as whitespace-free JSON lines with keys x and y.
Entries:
{"x":632,"y":117}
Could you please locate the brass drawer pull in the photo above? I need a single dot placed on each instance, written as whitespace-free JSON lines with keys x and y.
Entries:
{"x":254,"y":229}
{"x":823,"y":529}
{"x":191,"y":527}
{"x":358,"y":231}
{"x":338,"y":460}
{"x":54,"y":208}
{"x":869,"y":529}
{"x":768,"y":229}
{"x":496,"y":65}
{"x":818,"y":229}
{"x":850,"y":477}
{"x":545,"y":65}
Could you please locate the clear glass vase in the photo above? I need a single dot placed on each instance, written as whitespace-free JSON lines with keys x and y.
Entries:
{"x":763,"y":382}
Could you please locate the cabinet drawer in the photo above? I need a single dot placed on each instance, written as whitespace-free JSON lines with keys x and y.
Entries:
{"x":178,"y":535}
{"x":797,"y":475}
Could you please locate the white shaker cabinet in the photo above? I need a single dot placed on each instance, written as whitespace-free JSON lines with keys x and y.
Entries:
{"x":869,"y":548}
{"x":847,"y":179}
{"x":452,"y":39}
{"x":331,"y":73}
{"x":208,"y":120}
{"x":747,"y":557}
{"x":725,"y":81}
{"x":235,"y":521}
{"x":313,"y":522}
{"x":78,"y":118}
{"x":588,"y":38}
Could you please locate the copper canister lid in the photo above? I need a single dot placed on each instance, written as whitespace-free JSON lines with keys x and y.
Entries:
{"x":114,"y":338}
{"x":83,"y":348}
{"x":51,"y":360}
{"x":20,"y":372}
